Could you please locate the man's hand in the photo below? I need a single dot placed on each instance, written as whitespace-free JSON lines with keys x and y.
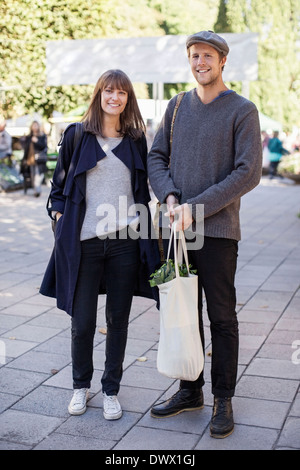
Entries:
{"x":172,"y":202}
{"x":181,"y":214}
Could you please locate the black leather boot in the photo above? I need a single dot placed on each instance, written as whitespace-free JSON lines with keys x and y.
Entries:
{"x":221,"y":424}
{"x":183,"y":400}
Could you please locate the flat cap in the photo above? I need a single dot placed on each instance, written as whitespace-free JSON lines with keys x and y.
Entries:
{"x":211,"y":38}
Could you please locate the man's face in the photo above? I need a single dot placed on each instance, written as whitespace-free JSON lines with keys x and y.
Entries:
{"x":206,"y":64}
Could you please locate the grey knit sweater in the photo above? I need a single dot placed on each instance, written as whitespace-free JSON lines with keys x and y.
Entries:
{"x":108,"y":194}
{"x":216,"y":158}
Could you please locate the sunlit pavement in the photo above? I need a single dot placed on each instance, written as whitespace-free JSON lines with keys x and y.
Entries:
{"x":35,"y":361}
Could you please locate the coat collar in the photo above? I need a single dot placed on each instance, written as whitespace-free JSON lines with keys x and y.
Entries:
{"x":89,"y":152}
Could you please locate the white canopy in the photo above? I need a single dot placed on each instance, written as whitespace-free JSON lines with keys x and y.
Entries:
{"x":145,"y":59}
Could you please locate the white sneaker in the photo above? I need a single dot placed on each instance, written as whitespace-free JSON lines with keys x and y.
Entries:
{"x":111,"y":407}
{"x":77,"y":405}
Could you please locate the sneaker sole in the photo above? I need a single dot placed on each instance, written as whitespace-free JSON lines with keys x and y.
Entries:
{"x":76,"y":413}
{"x":112,"y":417}
{"x":176,"y":412}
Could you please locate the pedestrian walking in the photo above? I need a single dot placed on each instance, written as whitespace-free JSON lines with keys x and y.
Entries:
{"x":33,"y":164}
{"x":216,"y":158}
{"x":98,"y":194}
{"x":276,"y":150}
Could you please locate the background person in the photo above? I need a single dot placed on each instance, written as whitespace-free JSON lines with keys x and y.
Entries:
{"x":93,"y":254}
{"x":216,"y":158}
{"x":5,"y":142}
{"x":276,"y":151}
{"x":35,"y":158}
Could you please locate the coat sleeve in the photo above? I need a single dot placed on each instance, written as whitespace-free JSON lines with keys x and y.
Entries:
{"x":142,"y":148}
{"x":41,"y":143}
{"x":56,"y":201}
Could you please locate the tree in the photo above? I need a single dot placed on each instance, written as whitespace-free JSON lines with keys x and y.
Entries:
{"x":277,"y":91}
{"x":188,"y":17}
{"x":26,"y":26}
{"x":278,"y":88}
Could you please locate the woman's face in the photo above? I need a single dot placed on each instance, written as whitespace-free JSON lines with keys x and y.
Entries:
{"x":35,"y":128}
{"x":113,"y":100}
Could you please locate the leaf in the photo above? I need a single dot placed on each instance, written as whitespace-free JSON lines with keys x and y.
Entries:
{"x":142,"y":359}
{"x":167,"y":272}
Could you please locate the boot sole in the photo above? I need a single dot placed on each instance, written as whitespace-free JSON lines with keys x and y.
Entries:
{"x":176,"y":412}
{"x":221,"y":436}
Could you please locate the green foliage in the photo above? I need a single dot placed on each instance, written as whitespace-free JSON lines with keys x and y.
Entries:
{"x":167,"y":272}
{"x":277,"y":90}
{"x":290,"y":164}
{"x":27,"y":25}
{"x":188,"y":17}
{"x":231,"y":17}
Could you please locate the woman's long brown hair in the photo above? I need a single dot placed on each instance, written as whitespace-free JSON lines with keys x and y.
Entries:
{"x":131,"y":121}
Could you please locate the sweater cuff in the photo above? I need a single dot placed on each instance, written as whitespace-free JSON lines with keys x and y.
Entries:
{"x":197,"y":211}
{"x":175,"y":192}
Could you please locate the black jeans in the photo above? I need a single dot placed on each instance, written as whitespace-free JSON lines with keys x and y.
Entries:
{"x":115,"y":261}
{"x":216,"y":267}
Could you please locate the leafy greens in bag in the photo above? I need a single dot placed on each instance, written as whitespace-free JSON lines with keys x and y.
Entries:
{"x":167,"y":272}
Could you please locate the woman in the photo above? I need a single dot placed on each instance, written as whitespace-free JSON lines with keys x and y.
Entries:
{"x":33,"y":164}
{"x":97,"y":243}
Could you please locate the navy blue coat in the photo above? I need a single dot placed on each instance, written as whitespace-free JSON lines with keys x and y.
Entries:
{"x":68,"y":197}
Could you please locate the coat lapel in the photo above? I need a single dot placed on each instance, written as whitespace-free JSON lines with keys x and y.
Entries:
{"x":128,"y":153}
{"x":89,"y":152}
{"x":85,"y":157}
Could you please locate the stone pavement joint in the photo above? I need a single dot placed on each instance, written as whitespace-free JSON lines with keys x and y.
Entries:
{"x":35,"y":360}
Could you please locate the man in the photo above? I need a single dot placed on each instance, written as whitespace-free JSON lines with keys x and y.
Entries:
{"x":5,"y":141}
{"x":216,"y":158}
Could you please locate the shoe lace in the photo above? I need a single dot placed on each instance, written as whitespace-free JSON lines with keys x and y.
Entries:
{"x":111,"y":402}
{"x":220,"y":408}
{"x":79,"y":396}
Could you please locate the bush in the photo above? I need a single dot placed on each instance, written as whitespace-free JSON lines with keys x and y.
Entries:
{"x":290,"y":164}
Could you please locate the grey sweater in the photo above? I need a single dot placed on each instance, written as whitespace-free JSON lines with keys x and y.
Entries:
{"x":216,"y":158}
{"x":108,"y":195}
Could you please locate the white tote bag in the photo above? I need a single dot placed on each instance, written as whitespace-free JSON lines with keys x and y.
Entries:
{"x":180,"y":353}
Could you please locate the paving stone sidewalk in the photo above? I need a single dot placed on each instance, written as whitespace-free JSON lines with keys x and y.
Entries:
{"x":35,"y":362}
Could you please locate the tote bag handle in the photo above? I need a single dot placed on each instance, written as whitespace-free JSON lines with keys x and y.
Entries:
{"x":178,"y":249}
